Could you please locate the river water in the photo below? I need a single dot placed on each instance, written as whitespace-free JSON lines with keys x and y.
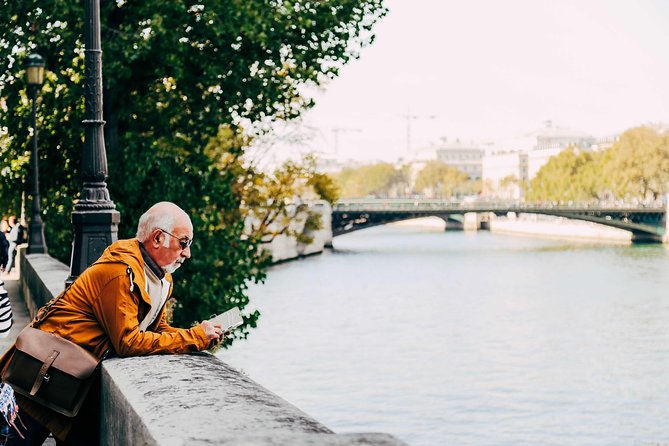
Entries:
{"x":452,"y":338}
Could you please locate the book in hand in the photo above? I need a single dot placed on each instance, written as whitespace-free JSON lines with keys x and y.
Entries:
{"x":229,"y":320}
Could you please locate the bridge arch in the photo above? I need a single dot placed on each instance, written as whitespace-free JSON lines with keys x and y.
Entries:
{"x":645,"y":224}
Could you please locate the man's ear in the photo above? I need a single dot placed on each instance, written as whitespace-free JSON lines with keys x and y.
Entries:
{"x":155,"y":238}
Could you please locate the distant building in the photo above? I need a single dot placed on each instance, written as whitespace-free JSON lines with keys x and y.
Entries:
{"x":504,"y":174}
{"x":553,"y":140}
{"x":501,"y":167}
{"x":465,"y":156}
{"x":603,"y":143}
{"x":551,"y":137}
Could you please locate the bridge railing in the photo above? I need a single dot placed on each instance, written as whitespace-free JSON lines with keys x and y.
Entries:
{"x":479,"y":205}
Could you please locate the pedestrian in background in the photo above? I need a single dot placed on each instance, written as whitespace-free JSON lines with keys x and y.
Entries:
{"x":13,"y":237}
{"x":4,"y":245}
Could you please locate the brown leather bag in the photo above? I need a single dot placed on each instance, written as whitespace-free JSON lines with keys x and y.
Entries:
{"x":50,"y":370}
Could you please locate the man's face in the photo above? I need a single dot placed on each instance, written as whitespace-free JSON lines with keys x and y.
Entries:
{"x":173,"y":250}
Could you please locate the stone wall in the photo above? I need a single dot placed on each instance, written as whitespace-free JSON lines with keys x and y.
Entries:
{"x":197,"y":399}
{"x":558,"y":227}
{"x":42,"y":278}
{"x":285,"y":248}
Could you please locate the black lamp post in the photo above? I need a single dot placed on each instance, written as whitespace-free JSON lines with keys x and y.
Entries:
{"x":95,"y":217}
{"x":35,"y":79}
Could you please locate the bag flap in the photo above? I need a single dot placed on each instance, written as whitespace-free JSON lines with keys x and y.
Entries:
{"x":72,"y":359}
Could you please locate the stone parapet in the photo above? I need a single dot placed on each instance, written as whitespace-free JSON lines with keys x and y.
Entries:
{"x":558,"y":227}
{"x":42,"y":278}
{"x":284,"y":247}
{"x":197,"y":399}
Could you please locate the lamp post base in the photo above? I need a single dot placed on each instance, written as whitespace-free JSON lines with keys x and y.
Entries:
{"x":36,"y":243}
{"x":94,"y":231}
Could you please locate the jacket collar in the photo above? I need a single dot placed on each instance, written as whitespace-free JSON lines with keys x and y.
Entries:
{"x":148,"y":261}
{"x":127,"y":252}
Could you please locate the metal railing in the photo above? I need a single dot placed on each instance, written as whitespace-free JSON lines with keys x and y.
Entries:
{"x":403,"y":205}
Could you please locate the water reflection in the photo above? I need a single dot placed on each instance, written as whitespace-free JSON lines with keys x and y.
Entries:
{"x":472,"y":339}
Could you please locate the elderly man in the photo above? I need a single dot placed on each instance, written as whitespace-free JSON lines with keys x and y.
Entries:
{"x":118,"y":304}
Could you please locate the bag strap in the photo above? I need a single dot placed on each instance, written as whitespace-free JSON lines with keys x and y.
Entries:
{"x":42,"y":376}
{"x":43,"y":312}
{"x":46,"y":310}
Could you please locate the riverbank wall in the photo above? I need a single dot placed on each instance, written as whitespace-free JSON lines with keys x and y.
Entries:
{"x":285,"y":247}
{"x":557,"y":227}
{"x":532,"y":225}
{"x":189,"y":399}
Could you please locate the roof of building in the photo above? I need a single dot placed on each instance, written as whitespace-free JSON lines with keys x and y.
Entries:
{"x":550,"y":131}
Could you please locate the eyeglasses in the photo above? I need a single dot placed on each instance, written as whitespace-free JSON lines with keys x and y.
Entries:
{"x":184,"y":242}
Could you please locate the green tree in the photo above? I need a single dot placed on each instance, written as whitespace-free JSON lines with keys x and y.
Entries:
{"x":635,"y":168}
{"x":278,"y":203}
{"x":173,"y":73}
{"x":469,"y":187}
{"x":378,"y":180}
{"x":638,"y":165}
{"x":441,"y":180}
{"x":570,"y":175}
{"x":508,"y":181}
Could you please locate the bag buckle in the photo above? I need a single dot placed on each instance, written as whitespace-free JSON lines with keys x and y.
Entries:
{"x":42,"y":376}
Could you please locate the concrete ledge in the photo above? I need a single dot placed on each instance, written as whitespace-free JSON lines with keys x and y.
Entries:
{"x":557,"y":227}
{"x":286,"y":247}
{"x":42,"y":278}
{"x":197,"y":399}
{"x":310,"y":440}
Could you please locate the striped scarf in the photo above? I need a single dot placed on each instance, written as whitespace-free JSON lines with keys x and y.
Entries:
{"x":5,"y":312}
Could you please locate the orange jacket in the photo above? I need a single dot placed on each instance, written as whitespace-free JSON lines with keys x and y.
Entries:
{"x":105,"y":305}
{"x":102,"y":309}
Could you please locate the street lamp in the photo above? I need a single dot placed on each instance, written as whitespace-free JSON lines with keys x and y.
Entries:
{"x":35,"y":79}
{"x":95,"y":217}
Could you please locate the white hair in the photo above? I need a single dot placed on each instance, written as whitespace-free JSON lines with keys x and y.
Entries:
{"x":152,"y":220}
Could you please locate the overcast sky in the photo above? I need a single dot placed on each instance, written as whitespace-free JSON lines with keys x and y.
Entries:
{"x":493,"y":71}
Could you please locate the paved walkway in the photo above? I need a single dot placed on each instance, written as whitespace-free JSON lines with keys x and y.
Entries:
{"x":21,"y":319}
{"x":19,"y":311}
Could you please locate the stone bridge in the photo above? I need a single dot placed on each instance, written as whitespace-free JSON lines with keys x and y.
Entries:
{"x":647,"y":224}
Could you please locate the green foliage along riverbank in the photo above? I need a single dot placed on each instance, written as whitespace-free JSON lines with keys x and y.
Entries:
{"x":179,"y":79}
{"x":634,"y":169}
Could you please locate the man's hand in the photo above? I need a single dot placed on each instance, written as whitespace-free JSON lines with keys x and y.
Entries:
{"x":213,"y":331}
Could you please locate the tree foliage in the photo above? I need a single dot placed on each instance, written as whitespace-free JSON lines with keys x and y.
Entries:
{"x":638,"y":165}
{"x":174,"y":73}
{"x":378,"y":180}
{"x":563,"y":178}
{"x":634,"y":169}
{"x":279,"y":203}
{"x":440,"y":180}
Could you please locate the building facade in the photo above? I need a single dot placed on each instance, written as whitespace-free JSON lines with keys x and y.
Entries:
{"x":465,"y":156}
{"x":504,"y":174}
{"x":551,"y":141}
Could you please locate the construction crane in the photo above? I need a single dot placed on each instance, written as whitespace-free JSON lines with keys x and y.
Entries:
{"x":409,"y":117}
{"x":337,"y":130}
